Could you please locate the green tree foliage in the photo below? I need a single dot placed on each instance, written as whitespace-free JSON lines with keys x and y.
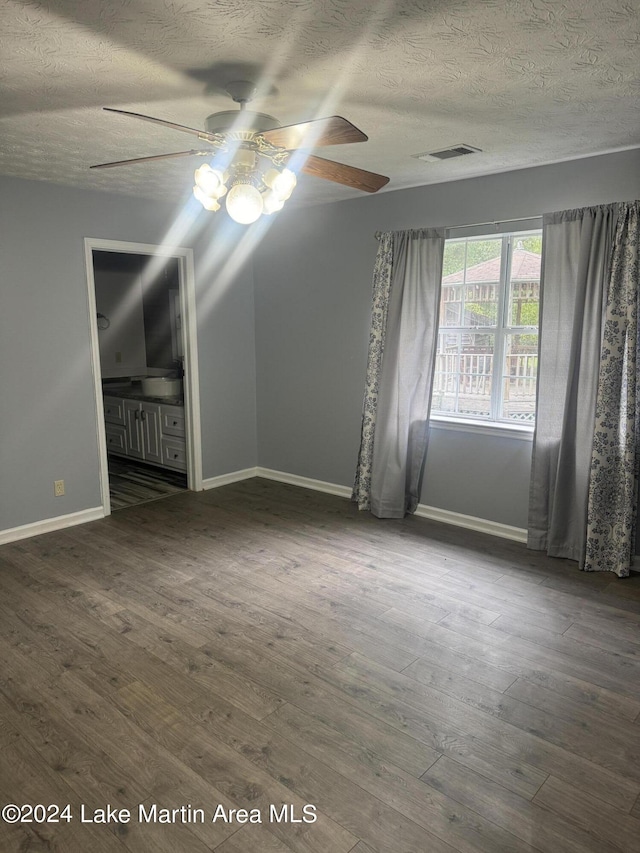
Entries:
{"x":533,"y":243}
{"x":477,"y":251}
{"x":483,"y":250}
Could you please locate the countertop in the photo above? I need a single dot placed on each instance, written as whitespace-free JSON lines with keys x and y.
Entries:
{"x":133,"y":391}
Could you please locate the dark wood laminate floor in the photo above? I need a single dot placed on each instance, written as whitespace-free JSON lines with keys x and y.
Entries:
{"x":132,"y":482}
{"x":428,"y":690}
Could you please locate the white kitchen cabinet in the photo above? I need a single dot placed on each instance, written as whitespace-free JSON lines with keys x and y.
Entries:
{"x":152,"y":432}
{"x":143,"y":439}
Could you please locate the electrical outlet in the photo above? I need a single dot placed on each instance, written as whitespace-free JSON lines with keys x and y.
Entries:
{"x":118,"y":358}
{"x":58,"y":488}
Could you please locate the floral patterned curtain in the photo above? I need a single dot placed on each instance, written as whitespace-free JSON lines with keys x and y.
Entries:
{"x":380,"y":305}
{"x":615,"y":461}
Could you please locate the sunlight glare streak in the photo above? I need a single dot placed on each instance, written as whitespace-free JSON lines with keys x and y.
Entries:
{"x":224,"y":257}
{"x":219,"y":267}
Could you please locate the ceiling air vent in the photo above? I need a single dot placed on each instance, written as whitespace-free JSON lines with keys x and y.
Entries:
{"x":447,"y":153}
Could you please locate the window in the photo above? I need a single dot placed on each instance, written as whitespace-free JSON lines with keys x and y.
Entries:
{"x":487,"y":356}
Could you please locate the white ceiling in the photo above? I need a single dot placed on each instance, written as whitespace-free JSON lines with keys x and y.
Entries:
{"x":527,"y":81}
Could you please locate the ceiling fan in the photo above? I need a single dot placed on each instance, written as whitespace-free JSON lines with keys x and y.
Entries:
{"x":250,"y":156}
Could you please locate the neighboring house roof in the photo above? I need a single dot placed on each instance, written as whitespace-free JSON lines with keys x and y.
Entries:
{"x":525,"y":266}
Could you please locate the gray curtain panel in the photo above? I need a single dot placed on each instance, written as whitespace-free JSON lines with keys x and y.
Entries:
{"x":576,"y":256}
{"x":402,"y":346}
{"x":612,"y":507}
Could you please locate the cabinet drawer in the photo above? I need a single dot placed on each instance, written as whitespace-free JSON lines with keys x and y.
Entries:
{"x":116,"y":438}
{"x":174,"y":453}
{"x":172,"y":420}
{"x":114,"y":410}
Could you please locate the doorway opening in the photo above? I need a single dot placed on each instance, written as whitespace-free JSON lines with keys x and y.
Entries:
{"x":144,"y":357}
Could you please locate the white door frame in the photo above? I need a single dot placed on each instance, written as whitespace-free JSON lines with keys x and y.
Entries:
{"x":186,"y":273}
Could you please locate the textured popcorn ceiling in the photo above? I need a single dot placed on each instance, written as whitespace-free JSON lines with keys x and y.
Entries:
{"x":527,"y":81}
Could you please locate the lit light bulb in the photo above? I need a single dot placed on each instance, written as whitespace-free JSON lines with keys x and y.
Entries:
{"x":244,"y":204}
{"x":209,"y":180}
{"x":284,"y":184}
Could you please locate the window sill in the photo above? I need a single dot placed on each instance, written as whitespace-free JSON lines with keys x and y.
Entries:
{"x":494,"y":428}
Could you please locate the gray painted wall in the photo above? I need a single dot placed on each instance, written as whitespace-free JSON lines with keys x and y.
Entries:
{"x":313,"y":286}
{"x":297,"y":338}
{"x":47,"y":423}
{"x":119,"y":299}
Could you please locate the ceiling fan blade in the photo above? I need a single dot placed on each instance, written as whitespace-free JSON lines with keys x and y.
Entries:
{"x":359,"y":179}
{"x":334,"y":130}
{"x":201,"y":134}
{"x":148,"y":159}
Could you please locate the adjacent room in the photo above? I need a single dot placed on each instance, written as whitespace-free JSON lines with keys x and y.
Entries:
{"x":321,"y":437}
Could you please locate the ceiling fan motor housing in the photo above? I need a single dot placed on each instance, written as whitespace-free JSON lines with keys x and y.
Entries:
{"x":240,"y":120}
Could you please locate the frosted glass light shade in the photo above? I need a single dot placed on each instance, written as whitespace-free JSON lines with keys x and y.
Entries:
{"x":209,"y":180}
{"x":255,"y":191}
{"x":244,"y":204}
{"x":284,"y":184}
{"x":206,"y":201}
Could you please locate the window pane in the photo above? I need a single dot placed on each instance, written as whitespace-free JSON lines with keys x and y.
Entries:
{"x":520,"y":371}
{"x":524,"y":286}
{"x":477,"y":316}
{"x":462,"y":380}
{"x":470,"y":284}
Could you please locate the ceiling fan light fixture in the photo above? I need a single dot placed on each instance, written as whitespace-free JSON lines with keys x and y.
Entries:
{"x":284,"y":184}
{"x":255,"y":189}
{"x":208,"y":202}
{"x":210,"y":181}
{"x":244,"y":203}
{"x":281,"y":182}
{"x":244,"y":159}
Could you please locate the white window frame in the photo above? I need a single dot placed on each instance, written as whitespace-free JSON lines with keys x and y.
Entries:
{"x":493,"y":425}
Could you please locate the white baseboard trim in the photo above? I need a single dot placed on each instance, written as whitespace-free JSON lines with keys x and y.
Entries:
{"x":231,"y":477}
{"x":470,"y":522}
{"x":47,"y":525}
{"x":304,"y":482}
{"x":457,"y":519}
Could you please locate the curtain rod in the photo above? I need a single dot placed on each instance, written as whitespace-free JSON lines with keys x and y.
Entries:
{"x":495,"y":222}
